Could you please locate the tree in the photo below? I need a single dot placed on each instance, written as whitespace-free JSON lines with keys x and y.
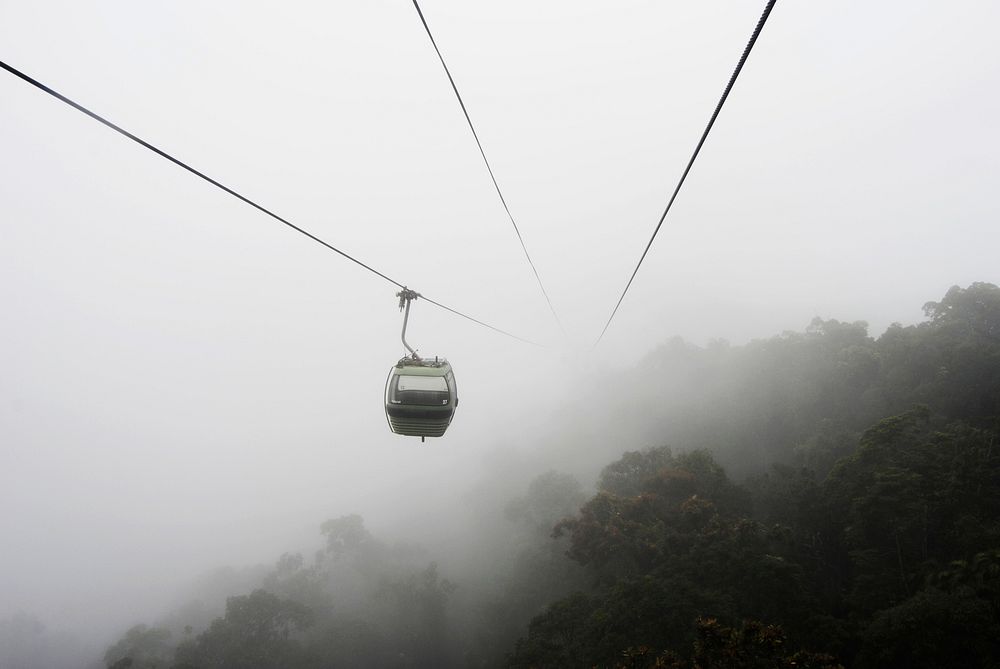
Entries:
{"x":417,"y":624}
{"x":751,"y":645}
{"x":142,"y":647}
{"x":626,"y":476}
{"x":530,"y":570}
{"x":754,"y":645}
{"x":345,"y":534}
{"x":679,"y":547}
{"x":550,"y":498}
{"x":952,"y":362}
{"x":911,"y":499}
{"x":257,"y":632}
{"x":933,"y":630}
{"x":558,"y":638}
{"x":975,"y":309}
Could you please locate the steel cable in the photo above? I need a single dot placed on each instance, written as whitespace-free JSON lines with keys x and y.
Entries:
{"x":704,"y":135}
{"x":482,"y":152}
{"x":59,"y":96}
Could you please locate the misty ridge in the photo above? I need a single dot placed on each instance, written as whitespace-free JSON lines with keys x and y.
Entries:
{"x":822,"y":498}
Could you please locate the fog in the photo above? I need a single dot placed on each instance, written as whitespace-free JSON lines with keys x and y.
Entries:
{"x":189,"y":385}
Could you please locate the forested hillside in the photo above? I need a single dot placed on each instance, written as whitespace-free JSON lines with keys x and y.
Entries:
{"x":818,"y":499}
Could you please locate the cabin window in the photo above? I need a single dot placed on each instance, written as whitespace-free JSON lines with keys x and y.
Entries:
{"x":424,"y":390}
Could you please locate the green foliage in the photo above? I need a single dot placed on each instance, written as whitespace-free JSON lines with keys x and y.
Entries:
{"x":951,"y":363}
{"x":259,"y":631}
{"x":868,"y":529}
{"x":858,"y":537}
{"x":676,"y":499}
{"x":913,"y":497}
{"x":418,"y":605}
{"x":863,"y":562}
{"x":359,"y":603}
{"x":142,"y":647}
{"x":754,"y":645}
{"x":979,"y":576}
{"x":626,"y":476}
{"x":345,"y":534}
{"x":975,"y":310}
{"x":803,"y":398}
{"x":530,"y":569}
{"x":677,"y":548}
{"x":560,"y":638}
{"x":292,"y":579}
{"x":551,"y":497}
{"x":933,"y":630}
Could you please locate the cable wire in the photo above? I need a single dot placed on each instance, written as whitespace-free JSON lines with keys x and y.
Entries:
{"x":704,"y":135}
{"x":39,"y":85}
{"x":503,"y":200}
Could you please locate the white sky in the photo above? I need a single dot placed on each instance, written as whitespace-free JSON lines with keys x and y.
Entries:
{"x":185,"y":382}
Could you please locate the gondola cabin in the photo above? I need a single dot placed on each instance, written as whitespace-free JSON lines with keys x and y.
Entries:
{"x":420,"y":397}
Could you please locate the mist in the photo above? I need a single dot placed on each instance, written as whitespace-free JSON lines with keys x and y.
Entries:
{"x":190,"y":390}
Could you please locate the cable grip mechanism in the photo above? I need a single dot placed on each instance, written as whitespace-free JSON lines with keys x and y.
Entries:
{"x":405,"y":297}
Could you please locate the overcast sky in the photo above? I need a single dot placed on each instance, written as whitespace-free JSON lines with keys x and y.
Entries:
{"x":185,"y":382}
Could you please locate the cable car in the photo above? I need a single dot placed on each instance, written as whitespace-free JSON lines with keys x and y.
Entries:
{"x":420,"y":397}
{"x":420,"y":393}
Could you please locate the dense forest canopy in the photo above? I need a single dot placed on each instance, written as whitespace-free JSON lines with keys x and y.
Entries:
{"x":818,"y":499}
